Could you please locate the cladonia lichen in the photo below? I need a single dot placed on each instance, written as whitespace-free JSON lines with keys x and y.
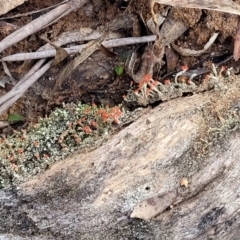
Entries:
{"x":77,"y":126}
{"x":149,"y":90}
{"x":53,"y":138}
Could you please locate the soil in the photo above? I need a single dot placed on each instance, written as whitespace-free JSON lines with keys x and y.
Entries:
{"x":103,"y":86}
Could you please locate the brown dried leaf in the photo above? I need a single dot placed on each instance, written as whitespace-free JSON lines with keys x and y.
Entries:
{"x":146,"y":66}
{"x":171,"y":30}
{"x":123,"y":21}
{"x":151,"y":24}
{"x":107,"y":52}
{"x":136,"y":29}
{"x":153,"y":206}
{"x":61,"y":53}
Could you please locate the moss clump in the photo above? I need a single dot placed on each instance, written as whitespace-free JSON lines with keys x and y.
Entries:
{"x":66,"y":130}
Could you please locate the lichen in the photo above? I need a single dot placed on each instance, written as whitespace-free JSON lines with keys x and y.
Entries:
{"x":149,"y":90}
{"x":77,"y":126}
{"x":65,"y":130}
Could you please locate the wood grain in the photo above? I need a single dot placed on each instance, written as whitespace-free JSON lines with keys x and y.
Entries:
{"x":217,"y":5}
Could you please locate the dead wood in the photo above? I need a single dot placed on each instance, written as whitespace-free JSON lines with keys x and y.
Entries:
{"x":106,"y":193}
{"x":33,"y":12}
{"x":21,"y":87}
{"x":41,"y":22}
{"x":9,"y":5}
{"x":218,"y":5}
{"x":74,"y":49}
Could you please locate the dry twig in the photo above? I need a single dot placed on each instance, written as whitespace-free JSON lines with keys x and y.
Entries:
{"x":40,"y":23}
{"x":74,"y":49}
{"x":37,"y":71}
{"x":21,"y":87}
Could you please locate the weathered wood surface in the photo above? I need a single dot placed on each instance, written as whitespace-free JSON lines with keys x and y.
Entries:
{"x":95,"y":195}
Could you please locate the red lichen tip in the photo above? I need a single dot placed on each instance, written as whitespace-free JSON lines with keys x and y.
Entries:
{"x":166,"y":81}
{"x":86,"y":129}
{"x":223,"y":68}
{"x":20,"y":151}
{"x":184,"y":67}
{"x":93,"y":123}
{"x":35,"y":143}
{"x":188,"y":81}
{"x":147,"y":78}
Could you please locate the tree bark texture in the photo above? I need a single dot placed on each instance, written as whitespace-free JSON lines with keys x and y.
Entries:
{"x":129,"y":188}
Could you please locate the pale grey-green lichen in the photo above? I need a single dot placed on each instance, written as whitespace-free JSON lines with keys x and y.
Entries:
{"x":26,"y":153}
{"x":150,"y":91}
{"x":73,"y":127}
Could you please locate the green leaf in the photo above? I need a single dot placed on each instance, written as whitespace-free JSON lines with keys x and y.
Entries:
{"x":15,"y":118}
{"x":119,"y":70}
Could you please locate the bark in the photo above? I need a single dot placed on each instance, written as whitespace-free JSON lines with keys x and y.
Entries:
{"x":129,"y":188}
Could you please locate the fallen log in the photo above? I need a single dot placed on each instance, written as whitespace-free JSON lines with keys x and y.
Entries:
{"x":171,"y":174}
